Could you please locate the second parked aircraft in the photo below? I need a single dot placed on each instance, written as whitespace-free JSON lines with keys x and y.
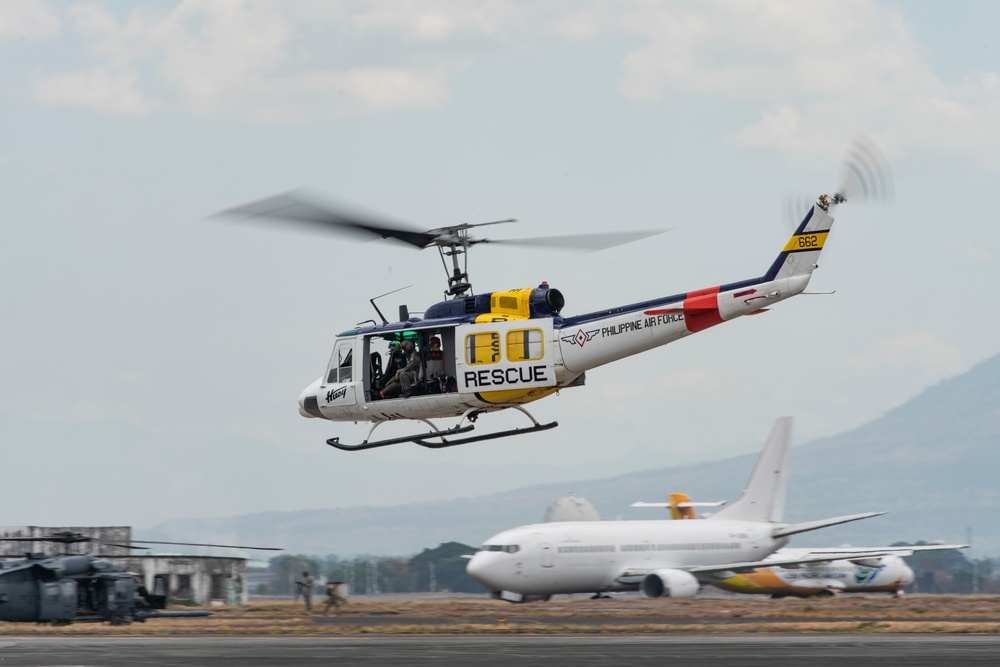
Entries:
{"x":658,"y":558}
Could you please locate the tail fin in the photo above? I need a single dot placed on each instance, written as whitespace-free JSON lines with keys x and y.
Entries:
{"x":682,"y":507}
{"x":764,"y":497}
{"x":800,"y":255}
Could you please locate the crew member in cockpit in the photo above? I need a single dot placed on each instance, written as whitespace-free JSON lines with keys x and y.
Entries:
{"x":402,"y":382}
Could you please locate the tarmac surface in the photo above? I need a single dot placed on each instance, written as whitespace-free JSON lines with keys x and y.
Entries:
{"x":521,"y":650}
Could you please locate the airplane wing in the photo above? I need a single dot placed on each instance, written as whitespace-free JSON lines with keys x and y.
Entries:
{"x":633,"y":575}
{"x":685,"y":504}
{"x":748,"y":566}
{"x":848,"y":553}
{"x":796,"y":528}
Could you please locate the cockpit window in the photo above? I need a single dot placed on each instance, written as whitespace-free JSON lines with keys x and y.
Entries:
{"x":340,"y":363}
{"x":506,"y":548}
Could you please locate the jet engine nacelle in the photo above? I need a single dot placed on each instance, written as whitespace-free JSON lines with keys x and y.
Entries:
{"x":867,"y":562}
{"x":669,"y":584}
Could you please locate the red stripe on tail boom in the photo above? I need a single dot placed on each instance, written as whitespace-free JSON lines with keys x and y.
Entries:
{"x":701,"y":309}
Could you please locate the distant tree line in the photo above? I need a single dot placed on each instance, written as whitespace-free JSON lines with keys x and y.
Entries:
{"x":951,"y":571}
{"x":440,"y":570}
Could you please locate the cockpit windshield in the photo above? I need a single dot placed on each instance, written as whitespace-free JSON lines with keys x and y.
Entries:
{"x":506,"y":548}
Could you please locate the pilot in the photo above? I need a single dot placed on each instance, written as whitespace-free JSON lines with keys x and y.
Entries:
{"x":402,"y":382}
{"x":395,"y":361}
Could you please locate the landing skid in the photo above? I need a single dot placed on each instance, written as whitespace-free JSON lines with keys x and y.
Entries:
{"x":440,"y":436}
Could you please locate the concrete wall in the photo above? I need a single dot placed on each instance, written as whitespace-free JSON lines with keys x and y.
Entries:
{"x":198,"y":578}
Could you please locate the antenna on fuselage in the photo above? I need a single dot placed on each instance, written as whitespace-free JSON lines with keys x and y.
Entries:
{"x":372,"y":301}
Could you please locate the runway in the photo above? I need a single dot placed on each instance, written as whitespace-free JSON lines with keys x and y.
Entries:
{"x":521,"y":650}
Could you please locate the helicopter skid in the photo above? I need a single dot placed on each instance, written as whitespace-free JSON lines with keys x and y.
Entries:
{"x":472,"y":414}
{"x":335,"y":442}
{"x":486,"y":436}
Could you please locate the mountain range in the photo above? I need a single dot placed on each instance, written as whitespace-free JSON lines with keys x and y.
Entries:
{"x":932,"y":463}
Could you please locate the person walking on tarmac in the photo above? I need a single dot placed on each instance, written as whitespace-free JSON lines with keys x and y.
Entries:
{"x":306,"y":587}
{"x":333,"y":597}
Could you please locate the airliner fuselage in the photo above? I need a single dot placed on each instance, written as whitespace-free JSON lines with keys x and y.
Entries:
{"x":589,"y":557}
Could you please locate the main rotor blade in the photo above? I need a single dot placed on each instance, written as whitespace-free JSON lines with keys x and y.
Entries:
{"x":294,"y":207}
{"x":199,"y":544}
{"x":468,"y":225}
{"x":579,"y":242}
{"x":121,"y":546}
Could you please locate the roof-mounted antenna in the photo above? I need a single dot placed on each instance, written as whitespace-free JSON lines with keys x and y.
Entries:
{"x":372,"y":301}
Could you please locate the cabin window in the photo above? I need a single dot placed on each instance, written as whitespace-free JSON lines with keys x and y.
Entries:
{"x":524,"y":344}
{"x":482,"y":348}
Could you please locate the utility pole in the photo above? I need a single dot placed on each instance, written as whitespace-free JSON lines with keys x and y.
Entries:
{"x":433,"y":579}
{"x":975,"y":566}
{"x":372,"y":578}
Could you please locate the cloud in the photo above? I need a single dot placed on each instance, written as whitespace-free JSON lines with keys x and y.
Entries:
{"x":812,"y":77}
{"x":26,"y":19}
{"x":803,"y":74}
{"x":258,"y":61}
{"x":98,"y":89}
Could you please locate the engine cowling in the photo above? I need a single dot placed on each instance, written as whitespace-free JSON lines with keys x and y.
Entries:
{"x":669,"y":584}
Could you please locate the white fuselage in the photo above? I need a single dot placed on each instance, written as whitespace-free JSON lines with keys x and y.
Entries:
{"x":565,"y":353}
{"x":596,"y":556}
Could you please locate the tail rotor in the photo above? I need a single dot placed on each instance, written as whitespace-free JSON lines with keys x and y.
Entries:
{"x":866,"y":174}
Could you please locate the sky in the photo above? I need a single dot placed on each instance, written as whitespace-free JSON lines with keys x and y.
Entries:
{"x":141,"y":339}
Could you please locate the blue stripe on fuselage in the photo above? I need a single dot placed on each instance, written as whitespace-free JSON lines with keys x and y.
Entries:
{"x":772,"y":273}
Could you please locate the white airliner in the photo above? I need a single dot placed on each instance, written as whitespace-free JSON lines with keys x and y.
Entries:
{"x":853,"y":574}
{"x":658,"y":558}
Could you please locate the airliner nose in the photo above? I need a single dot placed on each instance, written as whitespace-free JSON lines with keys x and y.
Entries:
{"x":479,"y":569}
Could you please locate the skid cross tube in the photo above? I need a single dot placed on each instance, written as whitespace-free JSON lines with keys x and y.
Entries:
{"x":335,"y":442}
{"x":472,"y":415}
{"x":440,"y":436}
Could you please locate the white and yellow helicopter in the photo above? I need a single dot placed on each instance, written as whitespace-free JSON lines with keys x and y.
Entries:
{"x":478,"y":353}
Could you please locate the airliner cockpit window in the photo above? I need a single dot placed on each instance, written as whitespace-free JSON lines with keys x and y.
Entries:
{"x":506,"y":548}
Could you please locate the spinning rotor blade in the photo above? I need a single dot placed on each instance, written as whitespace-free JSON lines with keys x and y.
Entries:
{"x":866,"y":173}
{"x":866,"y":177}
{"x":579,"y":242}
{"x":294,"y":207}
{"x":198,"y":544}
{"x":794,"y":209}
{"x":123,"y":546}
{"x":69,"y":538}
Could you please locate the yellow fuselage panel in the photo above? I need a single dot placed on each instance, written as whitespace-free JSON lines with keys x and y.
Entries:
{"x":511,"y":305}
{"x":516,"y":395}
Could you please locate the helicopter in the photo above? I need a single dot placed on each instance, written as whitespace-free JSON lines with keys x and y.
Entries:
{"x":75,"y":588}
{"x":480,"y":353}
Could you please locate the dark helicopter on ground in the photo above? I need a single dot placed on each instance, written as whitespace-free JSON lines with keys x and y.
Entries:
{"x":477,"y":353}
{"x":74,"y":588}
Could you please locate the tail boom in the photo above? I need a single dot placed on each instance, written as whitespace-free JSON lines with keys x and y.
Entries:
{"x":598,"y":338}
